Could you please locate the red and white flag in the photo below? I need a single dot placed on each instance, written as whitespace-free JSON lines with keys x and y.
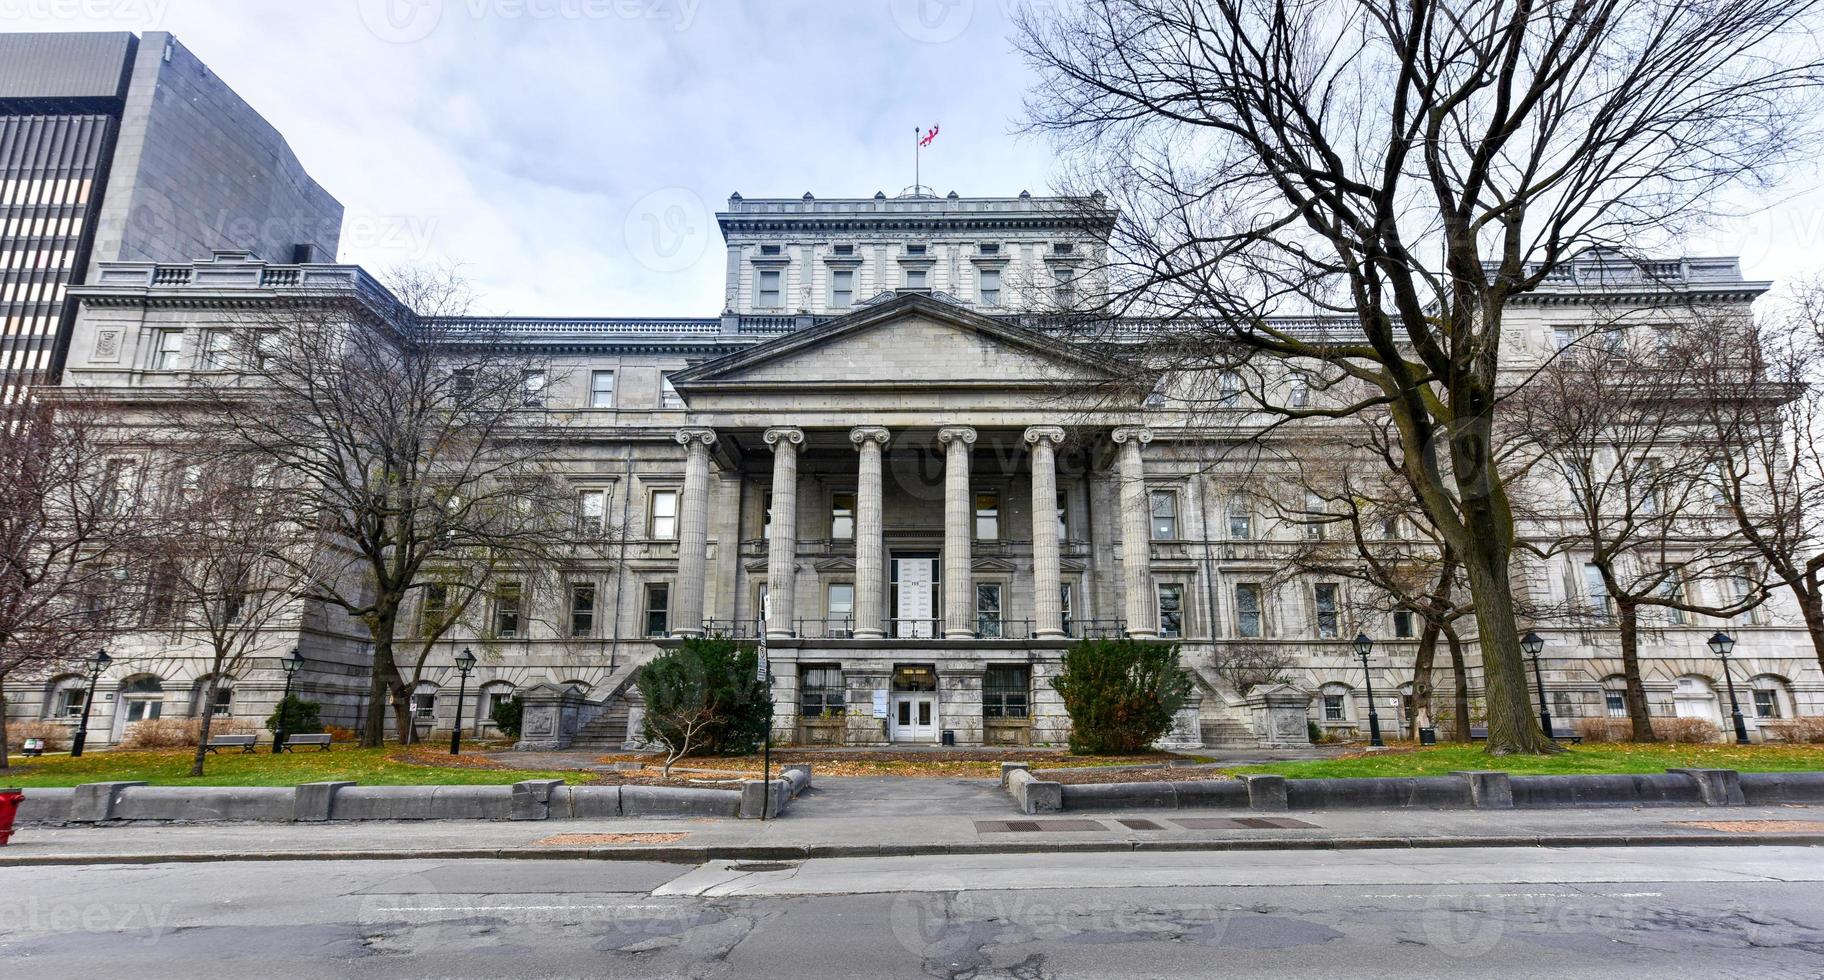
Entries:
{"x":930,"y":135}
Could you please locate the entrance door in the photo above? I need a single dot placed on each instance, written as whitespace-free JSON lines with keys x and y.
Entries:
{"x":913,"y":717}
{"x":915,"y":596}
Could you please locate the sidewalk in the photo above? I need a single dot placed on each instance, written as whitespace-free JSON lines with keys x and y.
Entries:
{"x":838,"y":820}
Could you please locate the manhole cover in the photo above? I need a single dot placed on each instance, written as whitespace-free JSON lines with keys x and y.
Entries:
{"x":761,"y":866}
{"x":1757,"y":826}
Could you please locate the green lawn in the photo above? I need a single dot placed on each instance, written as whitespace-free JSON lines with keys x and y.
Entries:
{"x":374,"y":767}
{"x":1624,"y":758}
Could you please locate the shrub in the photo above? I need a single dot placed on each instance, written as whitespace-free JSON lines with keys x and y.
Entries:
{"x":703,"y":698}
{"x":1121,"y":694}
{"x":506,"y":716}
{"x":1796,"y":731}
{"x":1687,"y":731}
{"x":1605,"y":730}
{"x":56,"y":737}
{"x":1314,"y":731}
{"x":301,"y":717}
{"x":177,"y":733}
{"x":339,"y":734}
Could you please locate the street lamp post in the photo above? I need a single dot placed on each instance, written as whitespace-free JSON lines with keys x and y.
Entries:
{"x":290,"y":666}
{"x":1721,"y":644}
{"x":1531,"y":644}
{"x":96,"y":666}
{"x":1363,"y":646}
{"x":465,"y":662}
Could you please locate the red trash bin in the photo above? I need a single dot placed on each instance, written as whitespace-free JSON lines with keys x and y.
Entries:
{"x":9,"y":807}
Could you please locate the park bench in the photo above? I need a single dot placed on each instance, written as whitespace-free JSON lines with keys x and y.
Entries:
{"x":242,"y":742}
{"x":1481,"y":735}
{"x":293,"y":741}
{"x":33,"y":747}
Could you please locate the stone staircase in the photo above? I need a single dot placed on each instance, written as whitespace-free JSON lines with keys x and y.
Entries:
{"x":605,"y":732}
{"x":1227,"y":733}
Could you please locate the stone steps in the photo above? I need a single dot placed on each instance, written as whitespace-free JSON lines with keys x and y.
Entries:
{"x":605,"y":732}
{"x":1227,"y":733}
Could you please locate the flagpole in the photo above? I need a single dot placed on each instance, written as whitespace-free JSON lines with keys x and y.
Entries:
{"x":917,"y":147}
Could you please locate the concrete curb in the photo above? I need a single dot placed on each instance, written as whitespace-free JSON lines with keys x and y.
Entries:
{"x":680,"y":854}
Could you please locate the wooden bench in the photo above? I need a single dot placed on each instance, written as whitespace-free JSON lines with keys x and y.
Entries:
{"x":242,"y":742}
{"x":293,"y":741}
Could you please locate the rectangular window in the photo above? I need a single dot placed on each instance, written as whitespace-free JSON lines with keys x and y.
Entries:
{"x":1247,"y":610}
{"x":1402,"y":624}
{"x":915,"y":249}
{"x":591,"y":511}
{"x":844,"y":249}
{"x":820,"y":691}
{"x":1064,"y":607}
{"x":1766,"y":704}
{"x":842,"y":515}
{"x":1314,"y":517}
{"x":1563,"y":337}
{"x":1301,"y":396}
{"x":767,"y":289}
{"x":1006,"y":691}
{"x":1165,"y":515}
{"x":1323,"y":596}
{"x":1229,"y":389}
{"x":69,"y":702}
{"x":508,"y":602}
{"x":668,"y":395}
{"x":169,"y":355}
{"x":1615,"y":703}
{"x":433,"y":609}
{"x":842,"y":287}
{"x":424,"y":706}
{"x":658,"y":609}
{"x":601,"y":389}
{"x":216,"y":344}
{"x":916,"y":278}
{"x":1241,"y":520}
{"x":1333,"y":708}
{"x":1171,"y":610}
{"x":532,"y":389}
{"x":841,"y":608}
{"x":582,"y":609}
{"x":987,"y":515}
{"x":1596,"y":592}
{"x":988,"y":610}
{"x":1063,"y":515}
{"x":991,"y":287}
{"x":1673,"y":591}
{"x":662,"y":523}
{"x":265,"y":348}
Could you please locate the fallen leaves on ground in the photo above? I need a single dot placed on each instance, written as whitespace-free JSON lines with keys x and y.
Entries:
{"x":585,"y":840}
{"x":956,"y":764}
{"x":1118,"y":774}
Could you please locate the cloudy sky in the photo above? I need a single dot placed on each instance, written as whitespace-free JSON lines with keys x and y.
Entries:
{"x":570,"y":154}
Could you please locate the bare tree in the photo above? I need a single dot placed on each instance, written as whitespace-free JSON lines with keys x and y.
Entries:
{"x":1616,"y":432}
{"x":409,"y":435}
{"x":69,"y":523}
{"x":1760,"y":389}
{"x":1408,"y":168}
{"x":1248,"y":665}
{"x":229,"y":567}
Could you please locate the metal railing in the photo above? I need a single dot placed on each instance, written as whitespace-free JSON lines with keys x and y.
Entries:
{"x":986,"y":628}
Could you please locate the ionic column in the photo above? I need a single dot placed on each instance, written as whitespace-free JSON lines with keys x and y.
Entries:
{"x":782,"y":536}
{"x":1136,"y":535}
{"x":693,"y":532}
{"x":1047,"y":611}
{"x":959,"y":537}
{"x":869,"y":550}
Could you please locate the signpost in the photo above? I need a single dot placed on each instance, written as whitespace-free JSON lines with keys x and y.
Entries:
{"x":765,"y":677}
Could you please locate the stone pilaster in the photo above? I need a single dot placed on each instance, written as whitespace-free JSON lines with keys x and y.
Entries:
{"x":1136,"y":535}
{"x":870,"y":568}
{"x":959,"y":533}
{"x":782,"y":537}
{"x":1047,"y":609}
{"x":693,"y":532}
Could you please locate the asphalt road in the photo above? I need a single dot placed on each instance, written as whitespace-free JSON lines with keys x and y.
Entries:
{"x":1509,"y":912}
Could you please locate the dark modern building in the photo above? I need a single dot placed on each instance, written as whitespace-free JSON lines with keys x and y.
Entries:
{"x":116,"y":147}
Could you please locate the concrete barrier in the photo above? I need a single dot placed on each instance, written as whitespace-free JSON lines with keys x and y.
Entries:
{"x":194,"y":803}
{"x":1779,"y":787}
{"x":313,"y":801}
{"x":586,"y":802}
{"x":94,"y":802}
{"x":1034,"y":795}
{"x":1211,"y":794}
{"x":532,"y":799}
{"x":1641,"y":789}
{"x":1717,"y":787}
{"x":45,"y":805}
{"x":675,"y":801}
{"x":1432,"y":792}
{"x":422,"y":803}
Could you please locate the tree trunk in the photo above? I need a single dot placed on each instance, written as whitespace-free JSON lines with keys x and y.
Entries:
{"x":208,"y":717}
{"x":1638,"y":716}
{"x":1460,"y":674}
{"x":402,"y":714}
{"x":1513,"y":728}
{"x":1422,"y":665}
{"x":379,"y":677}
{"x":1811,"y":606}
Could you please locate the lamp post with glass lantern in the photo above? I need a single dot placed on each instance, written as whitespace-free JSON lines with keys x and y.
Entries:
{"x":290,"y":666}
{"x":465,"y":662}
{"x":1722,"y":644}
{"x":97,"y":664}
{"x":1363,"y":646}
{"x":1531,"y":644}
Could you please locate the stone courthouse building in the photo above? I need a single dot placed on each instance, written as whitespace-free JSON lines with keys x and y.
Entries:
{"x":880,"y":458}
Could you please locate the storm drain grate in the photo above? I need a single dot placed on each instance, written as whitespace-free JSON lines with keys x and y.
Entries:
{"x":1036,"y":826}
{"x":1135,"y":823}
{"x":1242,"y":823}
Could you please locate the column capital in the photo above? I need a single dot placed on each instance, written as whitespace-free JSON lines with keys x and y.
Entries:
{"x":789,"y":434}
{"x":694,"y":437}
{"x":956,"y":433}
{"x":1053,"y":434}
{"x":1136,"y":433}
{"x":864,"y":434}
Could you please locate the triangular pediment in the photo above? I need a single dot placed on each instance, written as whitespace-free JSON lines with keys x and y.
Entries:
{"x":912,"y":340}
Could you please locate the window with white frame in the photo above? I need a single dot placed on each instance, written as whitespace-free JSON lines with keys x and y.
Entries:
{"x":1596,"y":591}
{"x":1324,"y":601}
{"x":532,"y":389}
{"x":668,"y":395}
{"x":1228,"y":387}
{"x":1615,"y":697}
{"x":840,"y":607}
{"x":990,"y":287}
{"x":662,"y":516}
{"x":424,"y":704}
{"x":1164,"y":506}
{"x":1300,"y":396}
{"x":842,"y":288}
{"x":842,"y":515}
{"x":582,"y":609}
{"x":168,"y":354}
{"x":216,"y":347}
{"x":1336,"y":703}
{"x":1063,"y":515}
{"x":591,"y":511}
{"x":1742,"y":587}
{"x":1241,"y":519}
{"x":821,"y":693}
{"x":509,"y":610}
{"x":1563,"y":337}
{"x":1402,"y":624}
{"x":768,"y":291}
{"x":1006,"y":691}
{"x":1171,"y":609}
{"x":1315,"y":521}
{"x":601,"y":389}
{"x":1248,"y":624}
{"x":988,"y":609}
{"x":1771,"y":697}
{"x":917,"y":278}
{"x":67,"y":696}
{"x":658,"y":608}
{"x":987,"y":515}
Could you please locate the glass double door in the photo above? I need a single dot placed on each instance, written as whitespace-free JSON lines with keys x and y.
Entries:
{"x":913,"y":717}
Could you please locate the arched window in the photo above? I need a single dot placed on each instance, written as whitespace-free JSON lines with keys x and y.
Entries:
{"x":143,"y":698}
{"x":1772,"y":697}
{"x":1336,"y":704}
{"x":64,"y":696}
{"x":1615,"y":696}
{"x":1694,"y":696}
{"x":493,"y":695}
{"x":223,"y":706}
{"x":424,"y":703}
